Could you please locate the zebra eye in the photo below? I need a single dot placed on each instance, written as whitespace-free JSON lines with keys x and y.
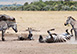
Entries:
{"x":13,"y":19}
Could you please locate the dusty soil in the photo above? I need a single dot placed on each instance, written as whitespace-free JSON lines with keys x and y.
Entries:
{"x":13,"y":46}
{"x":40,"y":21}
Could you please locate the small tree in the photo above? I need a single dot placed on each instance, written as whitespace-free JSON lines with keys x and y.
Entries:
{"x":66,"y":0}
{"x":26,"y":4}
{"x":40,"y":0}
{"x":14,"y":4}
{"x":46,"y":8}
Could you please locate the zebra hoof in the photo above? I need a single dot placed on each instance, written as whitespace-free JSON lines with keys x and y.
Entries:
{"x":3,"y":39}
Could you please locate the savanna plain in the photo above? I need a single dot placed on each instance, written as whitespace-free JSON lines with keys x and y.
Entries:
{"x":42,"y":21}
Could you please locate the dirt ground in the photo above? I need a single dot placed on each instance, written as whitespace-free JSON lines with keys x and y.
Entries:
{"x":39,"y":20}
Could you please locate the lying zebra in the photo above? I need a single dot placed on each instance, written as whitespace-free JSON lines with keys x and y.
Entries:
{"x":30,"y":35}
{"x":55,"y":37}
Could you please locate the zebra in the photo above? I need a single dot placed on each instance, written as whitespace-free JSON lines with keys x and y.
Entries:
{"x":70,"y":20}
{"x":6,"y":22}
{"x":53,"y":37}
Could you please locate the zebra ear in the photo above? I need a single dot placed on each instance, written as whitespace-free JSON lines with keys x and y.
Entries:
{"x":3,"y":18}
{"x":70,"y":16}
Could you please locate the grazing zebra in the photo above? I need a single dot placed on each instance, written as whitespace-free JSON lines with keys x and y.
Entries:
{"x":7,"y":22}
{"x":55,"y":37}
{"x":70,"y":20}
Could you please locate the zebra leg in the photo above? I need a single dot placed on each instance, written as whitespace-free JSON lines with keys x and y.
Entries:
{"x":3,"y":31}
{"x":75,"y":34}
{"x":41,"y":39}
{"x":30,"y":35}
{"x":71,"y":32}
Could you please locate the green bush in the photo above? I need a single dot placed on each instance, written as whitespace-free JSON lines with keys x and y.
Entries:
{"x":66,"y":8}
{"x":73,"y":8}
{"x":31,"y":8}
{"x":52,"y":8}
{"x":45,"y":6}
{"x":58,"y":7}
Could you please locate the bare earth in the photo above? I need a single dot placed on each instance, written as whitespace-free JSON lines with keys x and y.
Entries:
{"x":39,"y":20}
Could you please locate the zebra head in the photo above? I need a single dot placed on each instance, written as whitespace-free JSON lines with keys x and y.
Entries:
{"x":69,"y":20}
{"x":11,"y":22}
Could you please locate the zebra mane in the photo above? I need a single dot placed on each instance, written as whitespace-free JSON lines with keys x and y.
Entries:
{"x":5,"y":17}
{"x":71,"y":18}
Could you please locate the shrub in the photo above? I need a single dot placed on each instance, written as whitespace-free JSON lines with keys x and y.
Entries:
{"x":66,"y":8}
{"x":31,"y":8}
{"x":73,"y":8}
{"x":46,"y":8}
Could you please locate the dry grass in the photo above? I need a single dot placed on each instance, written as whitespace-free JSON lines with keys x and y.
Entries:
{"x":42,"y":20}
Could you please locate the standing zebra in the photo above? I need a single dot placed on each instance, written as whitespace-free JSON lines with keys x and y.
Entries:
{"x":6,"y":22}
{"x":70,"y":20}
